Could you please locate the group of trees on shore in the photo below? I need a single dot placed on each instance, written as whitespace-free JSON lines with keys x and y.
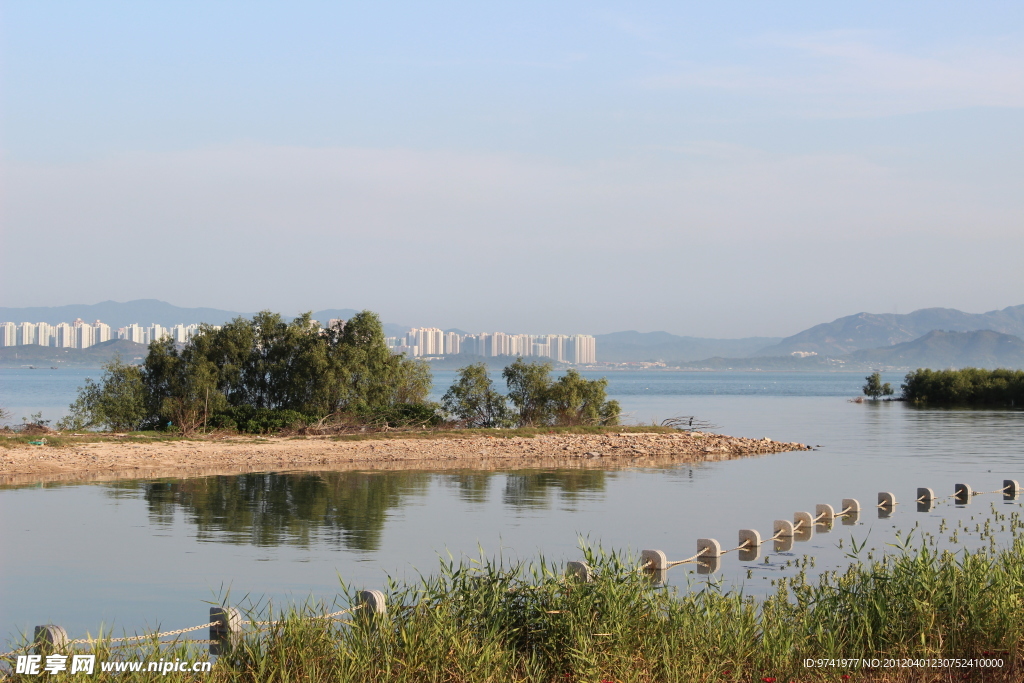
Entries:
{"x":969,"y":386}
{"x":264,"y":374}
{"x":964,"y":387}
{"x":536,"y":398}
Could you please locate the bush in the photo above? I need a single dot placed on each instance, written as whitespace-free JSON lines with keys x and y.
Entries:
{"x":249,"y":420}
{"x":966,"y":387}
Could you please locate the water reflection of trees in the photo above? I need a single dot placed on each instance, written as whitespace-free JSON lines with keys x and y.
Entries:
{"x":534,"y":489}
{"x":345,"y":509}
{"x":348,"y":509}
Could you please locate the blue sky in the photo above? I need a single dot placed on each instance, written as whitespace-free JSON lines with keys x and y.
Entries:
{"x":712,"y":169}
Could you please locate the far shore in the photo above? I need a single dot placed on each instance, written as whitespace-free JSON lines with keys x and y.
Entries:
{"x":128,"y":459}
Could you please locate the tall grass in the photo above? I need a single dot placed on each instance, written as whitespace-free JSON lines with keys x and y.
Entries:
{"x":487,"y":621}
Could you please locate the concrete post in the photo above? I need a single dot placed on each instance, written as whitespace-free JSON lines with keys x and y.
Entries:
{"x":782,"y":528}
{"x":579,"y":571}
{"x":372,"y":602}
{"x":827,"y":516}
{"x":803,"y":526}
{"x":48,"y":639}
{"x":710,"y":560}
{"x":227,"y":631}
{"x":1011,"y":489}
{"x":655,"y":560}
{"x":752,"y":550}
{"x":962,"y":493}
{"x":851,"y":510}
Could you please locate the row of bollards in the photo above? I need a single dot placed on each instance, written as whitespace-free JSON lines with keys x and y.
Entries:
{"x":709,"y":551}
{"x":226,"y":627}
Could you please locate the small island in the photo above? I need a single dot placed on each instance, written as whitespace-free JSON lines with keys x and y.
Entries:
{"x":264,"y":394}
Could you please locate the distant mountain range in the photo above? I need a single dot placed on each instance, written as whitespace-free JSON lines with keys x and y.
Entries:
{"x":930,"y":337}
{"x":942,"y":349}
{"x":94,"y":356}
{"x":872,"y":330}
{"x":624,"y":347}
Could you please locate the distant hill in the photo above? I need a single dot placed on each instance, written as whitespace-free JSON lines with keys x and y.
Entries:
{"x":939,"y":349}
{"x":871,"y":330}
{"x":619,"y":347}
{"x":150,"y":311}
{"x":94,"y":356}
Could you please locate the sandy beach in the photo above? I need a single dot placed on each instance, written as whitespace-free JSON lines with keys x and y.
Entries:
{"x":115,"y":460}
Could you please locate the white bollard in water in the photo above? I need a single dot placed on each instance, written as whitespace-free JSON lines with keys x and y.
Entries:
{"x":372,"y":602}
{"x":228,"y":629}
{"x":579,"y":571}
{"x":750,"y":540}
{"x":654,"y":560}
{"x":962,"y":493}
{"x":826,"y":515}
{"x":49,"y":638}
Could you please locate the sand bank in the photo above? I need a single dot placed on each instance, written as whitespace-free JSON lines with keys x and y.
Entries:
{"x":106,"y":460}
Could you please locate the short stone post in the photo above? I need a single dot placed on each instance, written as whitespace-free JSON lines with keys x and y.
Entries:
{"x":925,"y":499}
{"x":227,"y":631}
{"x":1011,"y":489}
{"x":710,"y":560}
{"x":782,"y":528}
{"x":579,"y":571}
{"x":803,"y":526}
{"x":654,"y":560}
{"x":962,"y":494}
{"x":372,"y":602}
{"x":750,"y":545}
{"x":49,"y":638}
{"x":851,"y":511}
{"x":825,"y":515}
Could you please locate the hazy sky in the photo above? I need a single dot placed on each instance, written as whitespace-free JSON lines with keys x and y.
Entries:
{"x":711,"y":169}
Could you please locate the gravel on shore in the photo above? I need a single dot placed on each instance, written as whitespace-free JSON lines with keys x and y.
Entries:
{"x":113,"y":460}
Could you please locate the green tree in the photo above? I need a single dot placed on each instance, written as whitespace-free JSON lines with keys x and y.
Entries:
{"x":874,"y":387}
{"x":117,"y":401}
{"x":473,"y":400}
{"x":576,"y":400}
{"x":529,"y":389}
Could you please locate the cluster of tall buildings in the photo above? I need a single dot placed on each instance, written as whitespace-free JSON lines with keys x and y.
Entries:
{"x":418,"y":342}
{"x":431,"y":341}
{"x":81,"y":335}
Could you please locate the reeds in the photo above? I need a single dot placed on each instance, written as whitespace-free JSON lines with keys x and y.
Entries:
{"x":487,"y":621}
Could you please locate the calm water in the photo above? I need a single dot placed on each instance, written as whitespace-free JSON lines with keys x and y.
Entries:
{"x":139,"y":554}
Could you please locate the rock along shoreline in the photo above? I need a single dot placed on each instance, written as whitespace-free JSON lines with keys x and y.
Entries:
{"x":182,"y":459}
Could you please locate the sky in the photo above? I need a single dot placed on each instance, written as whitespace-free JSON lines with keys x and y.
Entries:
{"x":722,"y":169}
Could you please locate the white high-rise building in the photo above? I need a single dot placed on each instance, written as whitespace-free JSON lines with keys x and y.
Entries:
{"x":44,"y":334}
{"x":84,"y":335}
{"x":501,"y":344}
{"x":157,"y":332}
{"x":8,"y":334}
{"x":428,"y":340}
{"x":582,"y":349}
{"x":520,"y":345}
{"x":26,"y":334}
{"x":101,"y":332}
{"x":557,"y":344}
{"x":135,"y":333}
{"x":65,"y":336}
{"x":452,"y":343}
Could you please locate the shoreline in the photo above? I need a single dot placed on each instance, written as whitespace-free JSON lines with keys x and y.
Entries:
{"x":104,"y":461}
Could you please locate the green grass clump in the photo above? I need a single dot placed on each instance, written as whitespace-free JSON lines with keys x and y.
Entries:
{"x":484,"y":621}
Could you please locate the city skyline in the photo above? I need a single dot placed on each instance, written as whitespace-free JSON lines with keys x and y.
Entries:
{"x":575,"y":349}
